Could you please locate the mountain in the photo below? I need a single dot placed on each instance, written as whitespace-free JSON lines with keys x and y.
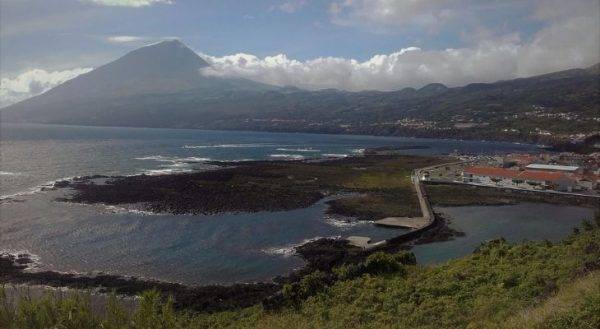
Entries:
{"x":165,"y":68}
{"x":161,"y":85}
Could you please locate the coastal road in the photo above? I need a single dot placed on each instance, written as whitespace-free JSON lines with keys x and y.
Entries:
{"x":413,"y":223}
{"x":426,"y":219}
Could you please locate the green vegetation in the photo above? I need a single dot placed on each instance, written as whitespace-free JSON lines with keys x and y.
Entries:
{"x":377,"y":205}
{"x":452,"y":195}
{"x":501,"y":285}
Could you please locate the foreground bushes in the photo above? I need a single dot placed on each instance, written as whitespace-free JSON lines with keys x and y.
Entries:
{"x":530,"y":285}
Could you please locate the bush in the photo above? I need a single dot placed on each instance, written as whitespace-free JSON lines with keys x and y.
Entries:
{"x":380,"y":263}
{"x":313,"y":283}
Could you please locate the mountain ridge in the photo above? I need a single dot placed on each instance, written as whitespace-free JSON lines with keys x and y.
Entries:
{"x":161,"y":85}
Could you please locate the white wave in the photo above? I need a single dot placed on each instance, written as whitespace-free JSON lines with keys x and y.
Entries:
{"x":166,"y":171}
{"x":172,"y":164}
{"x":34,"y":190}
{"x":345,"y":222}
{"x":161,"y":158}
{"x":155,"y":158}
{"x":308,"y":150}
{"x":335,"y":155}
{"x":10,"y":173}
{"x":287,"y":156}
{"x":240,"y":160}
{"x":123,"y":210}
{"x":358,"y":151}
{"x":223,"y":146}
{"x":290,"y":250}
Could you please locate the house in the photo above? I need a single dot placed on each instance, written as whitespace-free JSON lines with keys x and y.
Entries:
{"x":547,"y":180}
{"x":530,"y":179}
{"x":489,"y":175}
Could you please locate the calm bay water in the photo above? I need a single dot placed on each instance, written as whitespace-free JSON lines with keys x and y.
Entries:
{"x":221,"y":248}
{"x":515,"y":223}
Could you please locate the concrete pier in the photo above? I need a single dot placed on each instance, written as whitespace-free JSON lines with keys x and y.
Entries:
{"x":402,"y":222}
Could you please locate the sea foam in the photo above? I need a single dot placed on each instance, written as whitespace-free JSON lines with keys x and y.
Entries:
{"x":290,"y":249}
{"x":287,"y":156}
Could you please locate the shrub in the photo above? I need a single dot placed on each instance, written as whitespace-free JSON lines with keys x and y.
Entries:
{"x":380,"y":263}
{"x":311,"y":284}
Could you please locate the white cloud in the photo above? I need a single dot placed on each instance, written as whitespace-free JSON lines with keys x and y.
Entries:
{"x":130,"y":3}
{"x":290,"y":7}
{"x":137,"y":40}
{"x":34,"y":82}
{"x":393,"y":13}
{"x":569,"y":39}
{"x":568,"y":45}
{"x":124,"y":38}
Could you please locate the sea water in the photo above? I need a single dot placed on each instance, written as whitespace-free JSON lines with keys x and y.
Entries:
{"x":193,"y":249}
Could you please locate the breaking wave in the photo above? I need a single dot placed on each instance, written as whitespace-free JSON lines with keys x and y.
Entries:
{"x":161,"y":158}
{"x":345,"y":222}
{"x":224,"y":146}
{"x":308,"y":150}
{"x":287,"y":156}
{"x":123,"y":210}
{"x":171,"y":164}
{"x":290,"y":250}
{"x":10,"y":173}
{"x":335,"y":155}
{"x":33,"y":190}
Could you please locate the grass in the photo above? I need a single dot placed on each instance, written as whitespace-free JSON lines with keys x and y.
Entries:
{"x":501,"y":285}
{"x":452,"y":195}
{"x":575,"y":306}
{"x":377,"y":205}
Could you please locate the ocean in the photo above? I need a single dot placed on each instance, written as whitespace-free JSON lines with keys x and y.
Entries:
{"x":203,"y":249}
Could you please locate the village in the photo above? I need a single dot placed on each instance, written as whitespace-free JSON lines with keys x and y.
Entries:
{"x":548,"y":172}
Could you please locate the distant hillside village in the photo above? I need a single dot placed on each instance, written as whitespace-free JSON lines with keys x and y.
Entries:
{"x":565,"y":172}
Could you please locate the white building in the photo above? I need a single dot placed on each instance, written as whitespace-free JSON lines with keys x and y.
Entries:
{"x":546,"y":167}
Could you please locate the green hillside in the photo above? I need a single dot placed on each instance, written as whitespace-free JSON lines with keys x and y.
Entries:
{"x":501,"y":285}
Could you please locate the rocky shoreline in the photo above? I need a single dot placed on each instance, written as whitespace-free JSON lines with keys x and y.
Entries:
{"x":249,"y":186}
{"x":320,"y":255}
{"x":255,"y":186}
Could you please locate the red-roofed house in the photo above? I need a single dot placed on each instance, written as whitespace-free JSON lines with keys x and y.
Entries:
{"x":489,"y":175}
{"x":548,"y":180}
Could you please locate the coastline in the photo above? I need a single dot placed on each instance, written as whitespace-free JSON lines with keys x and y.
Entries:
{"x":322,"y":255}
{"x":410,"y":135}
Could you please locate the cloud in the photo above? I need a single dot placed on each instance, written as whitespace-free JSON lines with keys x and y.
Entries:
{"x":130,"y":3}
{"x":569,"y":38}
{"x":428,"y":15}
{"x":34,"y":82}
{"x":289,"y":7}
{"x":124,"y":38}
{"x":134,"y":39}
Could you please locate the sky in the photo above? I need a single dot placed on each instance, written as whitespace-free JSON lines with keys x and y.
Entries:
{"x":345,"y":44}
